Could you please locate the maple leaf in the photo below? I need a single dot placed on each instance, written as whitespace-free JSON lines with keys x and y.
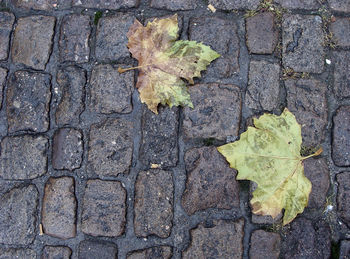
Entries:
{"x":269,"y":154}
{"x":163,"y":61}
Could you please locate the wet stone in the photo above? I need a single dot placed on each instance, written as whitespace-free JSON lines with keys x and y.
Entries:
{"x":229,"y":5}
{"x":67,"y":149}
{"x":32,"y":41}
{"x":18,"y":216}
{"x":174,"y":5}
{"x":56,"y":252}
{"x":345,"y":249}
{"x":341,"y":137}
{"x":210,"y":182}
{"x":71,"y":81}
{"x":263,"y":86}
{"x":219,"y":239}
{"x":17,"y":253}
{"x":306,"y":99}
{"x":153,"y":203}
{"x":93,"y":250}
{"x":45,"y":5}
{"x":111,"y":91}
{"x":216,"y":113}
{"x":264,"y":245}
{"x":341,"y":60}
{"x":339,"y":5}
{"x":59,"y":206}
{"x":262,"y":34}
{"x":74,"y":38}
{"x":28,"y":99}
{"x":110,"y":147}
{"x":157,"y":252}
{"x":299,"y":4}
{"x":23,"y":157}
{"x":303,"y":43}
{"x":221,"y":36}
{"x":3,"y":74}
{"x":159,"y":144}
{"x":6,"y":23}
{"x":106,"y":4}
{"x":341,"y":31}
{"x":104,"y":209}
{"x":343,"y":198}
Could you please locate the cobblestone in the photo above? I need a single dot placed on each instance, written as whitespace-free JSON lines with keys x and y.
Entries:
{"x":229,"y":5}
{"x":341,"y":73}
{"x":343,"y":198}
{"x":17,"y":253}
{"x":162,"y":252}
{"x":339,"y":5}
{"x":299,"y":4}
{"x":264,"y":245}
{"x":6,"y":24}
{"x":3,"y":74}
{"x":93,"y":250}
{"x":45,"y":5}
{"x":174,"y":5}
{"x":56,"y":252}
{"x":210,"y":182}
{"x":341,"y":31}
{"x":153,"y":203}
{"x":106,"y":4}
{"x":341,"y":137}
{"x":345,"y":249}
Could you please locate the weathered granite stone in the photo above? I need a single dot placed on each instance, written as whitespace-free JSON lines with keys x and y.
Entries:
{"x":339,"y":5}
{"x":56,"y":252}
{"x":71,"y":81}
{"x":32,"y":41}
{"x":341,"y":137}
{"x":18,"y":216}
{"x":23,"y":157}
{"x":46,"y":5}
{"x":341,"y":61}
{"x":216,"y":113}
{"x":340,"y":29}
{"x":6,"y":23}
{"x":210,"y":182}
{"x":104,"y":209}
{"x":303,"y":43}
{"x":59,"y":206}
{"x":153,"y":203}
{"x":221,"y":36}
{"x":299,"y":4}
{"x":218,"y":239}
{"x":110,"y":147}
{"x":174,"y":5}
{"x":306,"y":99}
{"x":111,"y":39}
{"x":343,"y":197}
{"x":344,"y":249}
{"x":74,"y":38}
{"x":229,"y":5}
{"x":28,"y":99}
{"x":67,"y":149}
{"x":263,"y":86}
{"x":106,"y":4}
{"x":159,"y":142}
{"x":93,"y":250}
{"x":264,"y":245}
{"x":3,"y":74}
{"x":111,"y":91}
{"x":157,"y":252}
{"x":262,"y":34}
{"x":12,"y":253}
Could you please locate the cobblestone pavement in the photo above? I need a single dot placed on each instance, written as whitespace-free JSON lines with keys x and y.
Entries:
{"x":77,"y":145}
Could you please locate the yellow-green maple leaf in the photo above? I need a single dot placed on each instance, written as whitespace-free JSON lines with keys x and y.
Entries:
{"x":269,"y":154}
{"x":163,"y":61}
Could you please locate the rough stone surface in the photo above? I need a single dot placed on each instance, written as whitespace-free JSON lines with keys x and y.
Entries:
{"x":93,"y":250}
{"x":299,"y":4}
{"x":111,"y":37}
{"x":263,"y":86}
{"x":341,"y":61}
{"x":218,"y":239}
{"x":157,"y":252}
{"x":262,"y":34}
{"x":74,"y":38}
{"x":153,"y":203}
{"x":106,"y":4}
{"x":45,"y":5}
{"x":221,"y":36}
{"x":210,"y":182}
{"x":159,"y":144}
{"x":264,"y":245}
{"x":341,"y":31}
{"x":110,"y":147}
{"x":59,"y":206}
{"x":339,"y":5}
{"x":6,"y":23}
{"x":56,"y":252}
{"x":341,"y":137}
{"x":17,"y":253}
{"x":104,"y":209}
{"x":216,"y":113}
{"x":18,"y":216}
{"x":343,"y":198}
{"x":71,"y":81}
{"x":306,"y":99}
{"x":28,"y":99}
{"x":229,"y":5}
{"x":303,"y":43}
{"x":33,"y":40}
{"x":345,"y":249}
{"x":174,"y":5}
{"x":23,"y":157}
{"x":111,"y":91}
{"x":67,"y":149}
{"x":3,"y":74}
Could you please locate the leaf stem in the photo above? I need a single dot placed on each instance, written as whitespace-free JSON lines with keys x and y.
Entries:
{"x":318,"y":152}
{"x":122,"y":70}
